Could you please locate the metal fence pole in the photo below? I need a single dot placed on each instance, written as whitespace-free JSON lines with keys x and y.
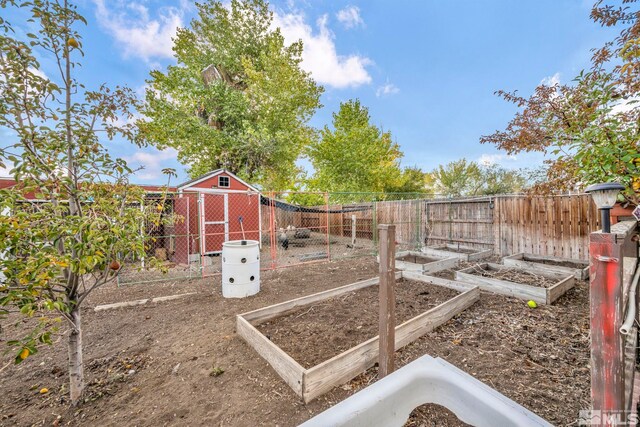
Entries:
{"x":326,"y":199}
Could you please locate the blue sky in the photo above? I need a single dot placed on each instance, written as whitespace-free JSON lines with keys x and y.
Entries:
{"x":427,"y":70}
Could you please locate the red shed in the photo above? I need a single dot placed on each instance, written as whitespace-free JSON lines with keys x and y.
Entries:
{"x":217,"y":206}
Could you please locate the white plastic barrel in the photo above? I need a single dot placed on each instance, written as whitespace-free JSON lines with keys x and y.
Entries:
{"x":240,"y":268}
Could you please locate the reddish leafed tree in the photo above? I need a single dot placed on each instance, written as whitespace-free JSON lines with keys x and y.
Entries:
{"x":590,"y":127}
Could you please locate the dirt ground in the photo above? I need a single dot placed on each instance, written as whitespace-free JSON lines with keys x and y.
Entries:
{"x":181,"y":363}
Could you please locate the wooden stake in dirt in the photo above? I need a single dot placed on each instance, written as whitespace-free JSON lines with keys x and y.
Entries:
{"x":387,"y":234}
{"x":353,"y":231}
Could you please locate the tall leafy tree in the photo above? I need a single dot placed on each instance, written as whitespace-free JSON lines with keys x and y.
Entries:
{"x":237,"y":97}
{"x":458,"y":178}
{"x":354,"y":156}
{"x":87,"y":220}
{"x":499,"y":180}
{"x":590,"y":127}
{"x":409,"y":184}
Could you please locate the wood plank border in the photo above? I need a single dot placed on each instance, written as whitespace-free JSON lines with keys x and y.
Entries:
{"x":430,"y":267}
{"x":317,"y":380}
{"x":518,"y":290}
{"x":532,"y":262}
{"x":443,"y":251}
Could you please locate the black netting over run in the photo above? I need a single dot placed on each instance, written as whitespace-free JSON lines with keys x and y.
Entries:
{"x":295,"y":208}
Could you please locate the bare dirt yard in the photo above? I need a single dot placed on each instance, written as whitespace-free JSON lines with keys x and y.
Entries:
{"x":181,"y":363}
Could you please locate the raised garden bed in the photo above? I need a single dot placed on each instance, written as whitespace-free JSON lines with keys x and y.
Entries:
{"x":580,"y":269}
{"x":313,"y":381}
{"x":418,"y":261}
{"x":462,"y":252}
{"x":542,"y":287}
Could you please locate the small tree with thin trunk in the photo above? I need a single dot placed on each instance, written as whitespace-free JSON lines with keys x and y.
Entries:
{"x":87,"y":219}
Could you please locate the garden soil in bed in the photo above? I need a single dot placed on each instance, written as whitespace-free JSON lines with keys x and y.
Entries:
{"x":514,"y":275}
{"x":314,"y":334}
{"x":558,"y":263}
{"x":539,"y":358}
{"x":417,"y":259}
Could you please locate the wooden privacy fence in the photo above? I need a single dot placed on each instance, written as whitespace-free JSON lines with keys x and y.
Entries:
{"x":557,"y":226}
{"x":553,"y":225}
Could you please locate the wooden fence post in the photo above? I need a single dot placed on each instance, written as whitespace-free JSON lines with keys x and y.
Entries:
{"x":387,"y":234}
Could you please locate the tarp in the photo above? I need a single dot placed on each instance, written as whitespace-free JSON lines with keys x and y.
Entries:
{"x":295,"y":208}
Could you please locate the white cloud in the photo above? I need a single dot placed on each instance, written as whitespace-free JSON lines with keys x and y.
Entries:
{"x":350,"y":17}
{"x":387,"y":89}
{"x":320,"y":56}
{"x":38,"y":73}
{"x":551,"y":80}
{"x":152,"y":161}
{"x":625,"y":105}
{"x":4,"y":172}
{"x":493,"y":159}
{"x":135,"y":32}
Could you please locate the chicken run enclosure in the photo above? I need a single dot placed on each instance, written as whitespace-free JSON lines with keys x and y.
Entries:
{"x":297,"y":228}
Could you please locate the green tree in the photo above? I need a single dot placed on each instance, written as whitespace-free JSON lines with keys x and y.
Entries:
{"x":87,"y":221}
{"x":590,"y":127}
{"x":458,"y":178}
{"x":498,"y":180}
{"x":354,"y":156}
{"x":237,"y":97}
{"x":410,"y":183}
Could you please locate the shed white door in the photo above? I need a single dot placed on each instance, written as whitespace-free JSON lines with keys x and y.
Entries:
{"x":214,"y":225}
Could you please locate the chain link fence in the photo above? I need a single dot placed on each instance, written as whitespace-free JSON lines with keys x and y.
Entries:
{"x":292,"y":228}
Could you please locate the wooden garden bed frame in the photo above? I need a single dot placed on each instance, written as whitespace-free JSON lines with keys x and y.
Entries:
{"x":319,"y":379}
{"x":445,"y":251}
{"x":536,"y":263}
{"x":538,"y":294}
{"x":430,"y":267}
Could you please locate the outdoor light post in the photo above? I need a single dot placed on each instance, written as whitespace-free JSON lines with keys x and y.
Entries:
{"x":604,"y":196}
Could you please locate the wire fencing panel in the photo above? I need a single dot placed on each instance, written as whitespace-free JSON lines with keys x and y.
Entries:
{"x":173,"y":242}
{"x":296,"y":228}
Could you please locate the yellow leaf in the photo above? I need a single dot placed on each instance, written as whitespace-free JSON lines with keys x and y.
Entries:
{"x":24,"y":353}
{"x":44,"y":390}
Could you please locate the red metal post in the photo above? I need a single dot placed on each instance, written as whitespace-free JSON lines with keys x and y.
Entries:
{"x":607,"y":315}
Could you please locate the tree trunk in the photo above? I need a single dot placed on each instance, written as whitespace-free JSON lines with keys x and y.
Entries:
{"x":76,"y":367}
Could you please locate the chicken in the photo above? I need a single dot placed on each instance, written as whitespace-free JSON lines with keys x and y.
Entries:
{"x":283,"y":239}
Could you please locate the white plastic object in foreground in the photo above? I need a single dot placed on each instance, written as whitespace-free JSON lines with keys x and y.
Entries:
{"x":389,"y":402}
{"x":240,"y":268}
